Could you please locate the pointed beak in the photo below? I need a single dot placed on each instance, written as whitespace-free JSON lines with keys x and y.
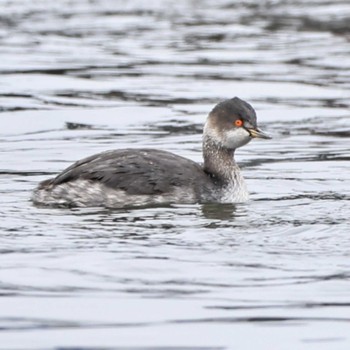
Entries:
{"x":257,"y":133}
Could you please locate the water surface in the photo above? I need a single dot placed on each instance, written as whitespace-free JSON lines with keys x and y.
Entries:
{"x":79,"y":77}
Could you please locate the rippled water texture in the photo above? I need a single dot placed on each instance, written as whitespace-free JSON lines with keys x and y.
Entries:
{"x":79,"y":77}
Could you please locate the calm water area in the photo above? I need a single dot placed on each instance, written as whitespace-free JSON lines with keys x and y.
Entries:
{"x":78,"y":77}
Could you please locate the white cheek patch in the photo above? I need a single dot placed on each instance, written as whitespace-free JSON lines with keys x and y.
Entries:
{"x":236,"y":138}
{"x":232,"y":139}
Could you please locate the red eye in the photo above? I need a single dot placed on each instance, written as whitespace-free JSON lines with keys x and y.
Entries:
{"x":238,"y":122}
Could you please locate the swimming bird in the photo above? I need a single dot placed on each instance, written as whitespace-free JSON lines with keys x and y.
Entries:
{"x":141,"y":177}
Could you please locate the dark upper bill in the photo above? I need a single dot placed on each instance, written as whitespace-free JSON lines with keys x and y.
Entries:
{"x":258,"y":134}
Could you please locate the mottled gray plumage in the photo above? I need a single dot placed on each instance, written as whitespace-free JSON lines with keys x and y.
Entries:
{"x":129,"y":177}
{"x":137,"y":171}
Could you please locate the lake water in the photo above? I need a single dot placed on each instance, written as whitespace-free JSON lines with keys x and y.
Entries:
{"x":79,"y":77}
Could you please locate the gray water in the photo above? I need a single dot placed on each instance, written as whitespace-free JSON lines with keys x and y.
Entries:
{"x":79,"y":77}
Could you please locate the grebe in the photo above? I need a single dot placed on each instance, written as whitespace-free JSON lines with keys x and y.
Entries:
{"x":141,"y":177}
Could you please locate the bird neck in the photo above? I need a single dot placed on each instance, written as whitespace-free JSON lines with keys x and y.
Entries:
{"x":219,"y":162}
